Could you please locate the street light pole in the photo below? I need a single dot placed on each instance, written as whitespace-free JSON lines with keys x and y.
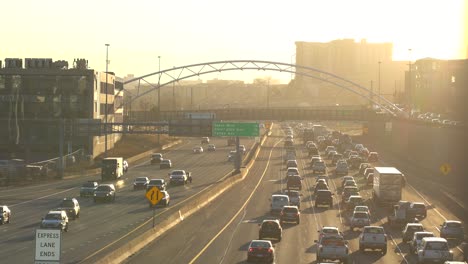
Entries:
{"x":106,"y":110}
{"x":379,"y":82}
{"x":173,"y":94}
{"x":159,"y":96}
{"x":409,"y":82}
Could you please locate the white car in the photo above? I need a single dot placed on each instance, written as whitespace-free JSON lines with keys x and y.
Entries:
{"x":362,"y":208}
{"x":373,"y":237}
{"x":417,"y":238}
{"x":197,"y":149}
{"x":359,"y":219}
{"x":434,"y":249}
{"x":329,"y":231}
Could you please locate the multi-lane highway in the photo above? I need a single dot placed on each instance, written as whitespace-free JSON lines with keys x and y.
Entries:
{"x":103,"y":227}
{"x":221,"y":232}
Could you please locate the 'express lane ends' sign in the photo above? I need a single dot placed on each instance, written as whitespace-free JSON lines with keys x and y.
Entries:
{"x":48,"y":244}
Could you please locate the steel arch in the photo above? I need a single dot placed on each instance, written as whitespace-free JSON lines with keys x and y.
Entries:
{"x":198,"y":69}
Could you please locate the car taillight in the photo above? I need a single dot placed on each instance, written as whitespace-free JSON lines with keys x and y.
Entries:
{"x":385,"y":238}
{"x":297,"y":214}
{"x":270,"y":250}
{"x":251,"y":249}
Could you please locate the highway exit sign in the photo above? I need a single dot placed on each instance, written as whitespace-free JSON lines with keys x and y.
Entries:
{"x":225,"y":129}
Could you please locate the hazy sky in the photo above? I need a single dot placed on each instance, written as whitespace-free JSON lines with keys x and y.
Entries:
{"x":184,"y":32}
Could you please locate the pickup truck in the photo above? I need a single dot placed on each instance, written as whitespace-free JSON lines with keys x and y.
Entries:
{"x":373,"y":237}
{"x":332,"y":248}
{"x":180,"y":177}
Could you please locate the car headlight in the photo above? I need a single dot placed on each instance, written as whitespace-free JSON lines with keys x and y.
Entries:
{"x":94,"y":194}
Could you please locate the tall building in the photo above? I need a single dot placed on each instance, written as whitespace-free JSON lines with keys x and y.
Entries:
{"x":355,"y":61}
{"x":44,"y":101}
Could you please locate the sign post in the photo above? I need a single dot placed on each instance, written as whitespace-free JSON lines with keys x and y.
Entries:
{"x":48,"y":245}
{"x":154,"y":195}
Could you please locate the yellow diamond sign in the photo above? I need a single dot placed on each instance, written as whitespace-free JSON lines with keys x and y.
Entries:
{"x":445,"y":168}
{"x":154,"y":195}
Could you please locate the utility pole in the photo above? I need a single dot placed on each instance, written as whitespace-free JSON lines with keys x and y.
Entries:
{"x":409,"y":83}
{"x":106,"y":108}
{"x":159,"y":97}
{"x":379,"y":82}
{"x":173,"y":95}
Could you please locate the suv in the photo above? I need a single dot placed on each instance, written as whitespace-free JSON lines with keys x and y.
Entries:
{"x":291,"y":163}
{"x":71,"y":207}
{"x":452,"y":229}
{"x":417,"y":238}
{"x":294,"y":182}
{"x":348,"y":191}
{"x":294,"y":197}
{"x":434,"y":249}
{"x":409,"y":231}
{"x":104,"y":192}
{"x":418,"y":209}
{"x":332,"y":248}
{"x":353,"y":201}
{"x":156,"y":158}
{"x":56,"y":220}
{"x":373,"y":237}
{"x":140,"y":183}
{"x":278,"y":201}
{"x":5,"y":214}
{"x":319,"y":167}
{"x":341,"y":168}
{"x":292,"y":171}
{"x":88,"y":188}
{"x":359,"y":219}
{"x":290,"y":213}
{"x":363,"y":167}
{"x":270,"y":229}
{"x":323,"y":197}
{"x":160,"y":183}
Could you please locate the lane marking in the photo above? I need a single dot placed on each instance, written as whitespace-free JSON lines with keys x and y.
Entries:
{"x":42,"y":197}
{"x":239,"y":211}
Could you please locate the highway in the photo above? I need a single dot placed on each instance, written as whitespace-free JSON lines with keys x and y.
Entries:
{"x":221,"y":232}
{"x":102,"y":227}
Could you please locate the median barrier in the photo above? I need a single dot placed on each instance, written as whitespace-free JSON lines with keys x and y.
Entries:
{"x":187,"y":209}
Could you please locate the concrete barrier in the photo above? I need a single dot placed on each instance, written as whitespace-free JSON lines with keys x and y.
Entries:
{"x":187,"y":209}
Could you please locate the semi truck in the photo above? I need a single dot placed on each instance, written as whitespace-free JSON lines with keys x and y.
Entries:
{"x":387,"y":185}
{"x":112,"y":168}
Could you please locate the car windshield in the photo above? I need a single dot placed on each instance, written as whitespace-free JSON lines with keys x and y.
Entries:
{"x":280,"y":199}
{"x":103,"y":188}
{"x":67,"y":203}
{"x":259,"y":244}
{"x":53,"y":217}
{"x":290,"y":210}
{"x":421,"y":236}
{"x":436,"y":246}
{"x":374,"y":230}
{"x":293,"y":194}
{"x":453,"y":225}
{"x":332,"y":241}
{"x":270,"y":225}
{"x":360,"y":215}
{"x":139,"y":179}
{"x":156,"y":182}
{"x":329,"y":231}
{"x":89,"y":184}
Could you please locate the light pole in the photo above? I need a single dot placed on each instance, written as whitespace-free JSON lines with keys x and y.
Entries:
{"x":173,"y":94}
{"x":409,"y":82}
{"x":292,"y":63}
{"x":159,"y":96}
{"x":106,"y":110}
{"x":379,"y":81}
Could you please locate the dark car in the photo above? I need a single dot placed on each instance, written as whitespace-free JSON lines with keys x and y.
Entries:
{"x":105,"y":192}
{"x":88,"y":188}
{"x":294,"y":197}
{"x":290,"y":214}
{"x":71,"y":207}
{"x":261,"y":250}
{"x":165,"y":164}
{"x":294,"y":182}
{"x":363,"y":167}
{"x":140,"y":183}
{"x":156,"y":158}
{"x":5,"y":214}
{"x":370,"y":179}
{"x":452,"y":229}
{"x":348,"y":191}
{"x":160,"y":183}
{"x":323,"y":197}
{"x":270,"y":229}
{"x":205,"y":140}
{"x":417,"y":209}
{"x":409,"y":231}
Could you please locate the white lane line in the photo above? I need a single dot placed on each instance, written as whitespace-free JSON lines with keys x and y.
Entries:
{"x":434,"y":209}
{"x":39,"y":198}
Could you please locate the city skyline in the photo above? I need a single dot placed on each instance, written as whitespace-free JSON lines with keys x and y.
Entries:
{"x":183,"y":33}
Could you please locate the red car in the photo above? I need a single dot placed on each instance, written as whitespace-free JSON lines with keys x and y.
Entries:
{"x":261,"y":250}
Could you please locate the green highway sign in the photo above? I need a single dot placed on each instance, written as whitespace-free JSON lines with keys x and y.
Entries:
{"x":225,"y":129}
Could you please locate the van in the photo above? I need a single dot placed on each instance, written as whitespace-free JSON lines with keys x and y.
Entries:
{"x":278,"y":201}
{"x":112,"y":168}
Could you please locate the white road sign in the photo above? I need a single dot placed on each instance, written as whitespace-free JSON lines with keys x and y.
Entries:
{"x":48,"y":243}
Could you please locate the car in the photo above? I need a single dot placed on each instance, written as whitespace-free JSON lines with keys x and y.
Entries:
{"x":322,"y":177}
{"x":341,"y":168}
{"x":315,"y":159}
{"x":373,"y":157}
{"x":335,"y":158}
{"x":177,"y":177}
{"x":417,"y":238}
{"x":56,"y":219}
{"x":434,"y":249}
{"x":88,"y":188}
{"x":349,"y":183}
{"x":319,"y":167}
{"x":353,"y":201}
{"x":321,"y":185}
{"x":125,"y":165}
{"x":294,"y":197}
{"x":270,"y":229}
{"x":165,"y":164}
{"x":358,"y":147}
{"x":105,"y":192}
{"x":166,"y":199}
{"x":370,"y":179}
{"x":373,"y":237}
{"x":362,"y":208}
{"x":156,"y":158}
{"x":367,"y":171}
{"x":329,"y":231}
{"x":278,"y":201}
{"x":292,"y":171}
{"x":354,"y":162}
{"x":332,"y":248}
{"x":417,"y":209}
{"x":348,"y":191}
{"x":345,"y":179}
{"x":205,"y":140}
{"x":452,"y":229}
{"x":363,"y":167}
{"x":313,"y":151}
{"x":160,"y":183}
{"x":291,"y":164}
{"x":409,"y":231}
{"x":5,"y":214}
{"x":288,"y":142}
{"x":242,"y":149}
{"x":294,"y":182}
{"x":359,"y":219}
{"x":328,"y":149}
{"x":211,"y":147}
{"x":197,"y":149}
{"x":262,"y":250}
{"x":364,"y":152}
{"x":71,"y":207}
{"x":331,"y":154}
{"x":290,"y":213}
{"x":232,"y":155}
{"x":324,"y":197}
{"x":140,"y":183}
